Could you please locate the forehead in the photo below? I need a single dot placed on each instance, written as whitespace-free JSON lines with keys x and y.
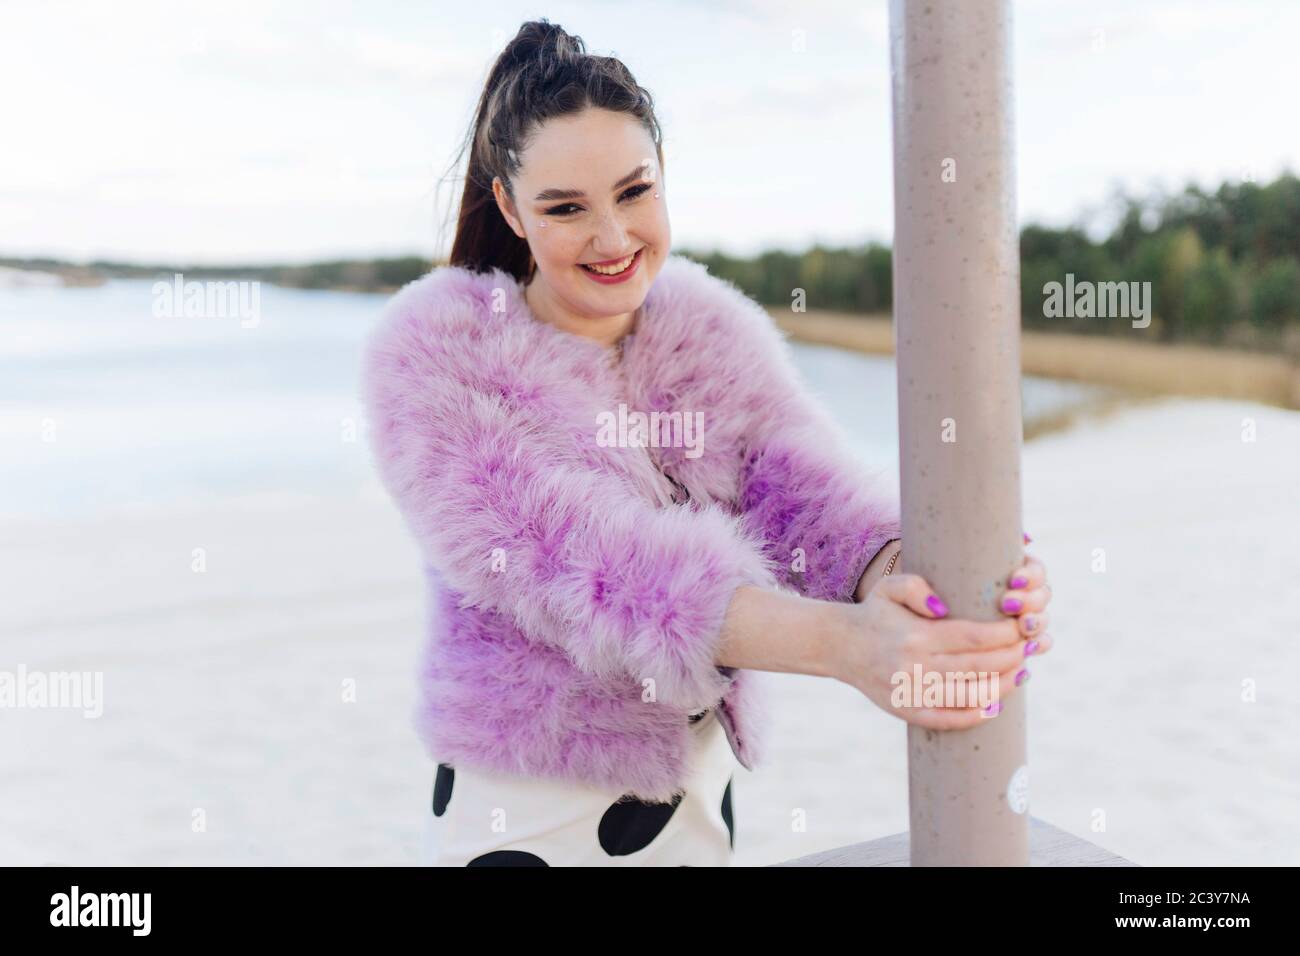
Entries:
{"x":587,"y":150}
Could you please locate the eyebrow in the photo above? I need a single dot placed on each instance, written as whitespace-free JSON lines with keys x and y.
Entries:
{"x":548,"y":195}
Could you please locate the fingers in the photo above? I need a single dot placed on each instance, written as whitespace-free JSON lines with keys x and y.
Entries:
{"x":1033,"y":625}
{"x":1038,"y":646}
{"x":975,"y":658}
{"x":912,"y":591}
{"x":1030,"y":592}
{"x":1030,"y":574}
{"x":943,"y":718}
{"x":989,"y":699}
{"x":1004,"y":658}
{"x":1023,"y":601}
{"x":1026,"y":598}
{"x":962,"y":636}
{"x":1010,"y":657}
{"x":1026,"y":608}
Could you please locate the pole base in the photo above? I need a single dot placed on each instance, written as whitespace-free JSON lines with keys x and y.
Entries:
{"x":1048,"y":846}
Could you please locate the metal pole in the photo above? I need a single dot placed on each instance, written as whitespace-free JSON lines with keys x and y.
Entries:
{"x":956,"y":329}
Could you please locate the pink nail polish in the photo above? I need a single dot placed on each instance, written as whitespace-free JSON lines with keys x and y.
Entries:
{"x":1021,"y":676}
{"x":1017,"y":582}
{"x":935,"y":605}
{"x":1031,"y":622}
{"x":1031,"y":647}
{"x":1027,"y":538}
{"x":994,"y":708}
{"x":1011,"y":605}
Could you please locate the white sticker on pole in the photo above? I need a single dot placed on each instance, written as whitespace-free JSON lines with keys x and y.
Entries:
{"x":1018,"y":790}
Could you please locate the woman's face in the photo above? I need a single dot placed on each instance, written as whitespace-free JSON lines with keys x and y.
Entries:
{"x":585,"y":194}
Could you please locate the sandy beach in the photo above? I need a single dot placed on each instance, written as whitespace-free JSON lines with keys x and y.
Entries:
{"x":226,"y":691}
{"x":190,"y":512}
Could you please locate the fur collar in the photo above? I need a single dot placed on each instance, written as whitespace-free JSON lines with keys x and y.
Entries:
{"x":700,"y":346}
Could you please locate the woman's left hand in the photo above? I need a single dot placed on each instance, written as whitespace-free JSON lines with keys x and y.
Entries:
{"x":1026,"y":599}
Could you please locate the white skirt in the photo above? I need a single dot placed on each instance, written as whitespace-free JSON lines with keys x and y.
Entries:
{"x":483,"y":818}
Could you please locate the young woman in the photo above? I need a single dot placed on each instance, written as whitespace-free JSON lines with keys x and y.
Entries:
{"x":626,"y":501}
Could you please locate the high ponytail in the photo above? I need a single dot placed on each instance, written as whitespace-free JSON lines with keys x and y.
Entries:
{"x":542,"y":73}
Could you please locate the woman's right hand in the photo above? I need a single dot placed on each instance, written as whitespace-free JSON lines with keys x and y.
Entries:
{"x":903,"y":624}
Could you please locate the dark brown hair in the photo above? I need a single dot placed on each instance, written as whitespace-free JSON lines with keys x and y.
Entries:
{"x":543,"y":72}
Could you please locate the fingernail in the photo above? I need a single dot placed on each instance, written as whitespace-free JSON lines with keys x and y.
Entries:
{"x":1031,"y":622}
{"x":1017,"y":582}
{"x":1027,"y":538}
{"x":1022,"y":676}
{"x":1011,"y":605}
{"x":935,"y":605}
{"x":1031,"y":647}
{"x":994,"y":708}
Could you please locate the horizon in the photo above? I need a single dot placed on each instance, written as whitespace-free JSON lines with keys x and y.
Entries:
{"x":1094,"y":235}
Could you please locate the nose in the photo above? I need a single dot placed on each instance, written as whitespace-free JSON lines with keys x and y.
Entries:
{"x":611,"y":235}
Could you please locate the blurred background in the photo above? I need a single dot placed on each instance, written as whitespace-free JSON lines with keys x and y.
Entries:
{"x":189,"y":510}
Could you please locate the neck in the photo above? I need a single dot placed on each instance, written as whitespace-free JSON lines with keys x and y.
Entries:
{"x":607,"y":330}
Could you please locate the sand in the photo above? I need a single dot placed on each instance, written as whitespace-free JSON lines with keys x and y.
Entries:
{"x":229,"y":736}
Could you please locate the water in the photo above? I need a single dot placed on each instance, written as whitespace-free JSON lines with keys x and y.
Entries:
{"x":148,"y":410}
{"x":157,"y":410}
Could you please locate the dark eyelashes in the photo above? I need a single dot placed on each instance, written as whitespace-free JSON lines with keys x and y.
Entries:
{"x":631,"y":193}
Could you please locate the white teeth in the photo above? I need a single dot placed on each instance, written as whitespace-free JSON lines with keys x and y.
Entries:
{"x":613,"y":270}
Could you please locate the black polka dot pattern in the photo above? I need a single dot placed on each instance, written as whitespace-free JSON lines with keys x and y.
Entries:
{"x":507,"y":858}
{"x":630,"y":824}
{"x":727,"y":813}
{"x":442,"y":785}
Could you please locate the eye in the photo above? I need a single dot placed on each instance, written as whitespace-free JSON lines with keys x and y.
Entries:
{"x":568,"y":208}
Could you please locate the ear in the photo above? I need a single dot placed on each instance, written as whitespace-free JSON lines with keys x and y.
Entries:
{"x":507,"y":207}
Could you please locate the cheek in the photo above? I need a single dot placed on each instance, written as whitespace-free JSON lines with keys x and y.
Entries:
{"x":657,"y":227}
{"x":555,"y":244}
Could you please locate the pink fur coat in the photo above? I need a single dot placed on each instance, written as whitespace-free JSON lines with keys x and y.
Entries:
{"x":580,"y":550}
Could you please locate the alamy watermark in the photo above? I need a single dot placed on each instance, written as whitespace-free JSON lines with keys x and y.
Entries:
{"x":945,"y":689}
{"x":1101,"y":300}
{"x":209,"y":299}
{"x":127,"y":910}
{"x":626,"y":429}
{"x":74,"y":690}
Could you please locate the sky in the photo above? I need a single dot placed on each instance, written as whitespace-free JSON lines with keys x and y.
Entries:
{"x":240,"y":132}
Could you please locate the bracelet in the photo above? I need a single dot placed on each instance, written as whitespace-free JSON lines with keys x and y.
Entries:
{"x":890,"y":566}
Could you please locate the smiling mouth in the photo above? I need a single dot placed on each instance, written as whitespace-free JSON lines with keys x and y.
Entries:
{"x":613,"y":267}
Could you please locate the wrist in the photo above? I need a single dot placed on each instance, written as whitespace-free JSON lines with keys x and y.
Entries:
{"x":876,"y":568}
{"x":834,"y":633}
{"x":778,"y":630}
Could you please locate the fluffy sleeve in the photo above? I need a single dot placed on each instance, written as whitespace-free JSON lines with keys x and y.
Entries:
{"x":516,"y":523}
{"x":822,"y":515}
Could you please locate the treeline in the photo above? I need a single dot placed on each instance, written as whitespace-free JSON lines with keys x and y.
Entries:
{"x":855,"y":279}
{"x":362,"y":275}
{"x":1223,"y":267}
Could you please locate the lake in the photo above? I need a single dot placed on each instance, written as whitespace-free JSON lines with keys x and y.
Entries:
{"x":105,"y":404}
